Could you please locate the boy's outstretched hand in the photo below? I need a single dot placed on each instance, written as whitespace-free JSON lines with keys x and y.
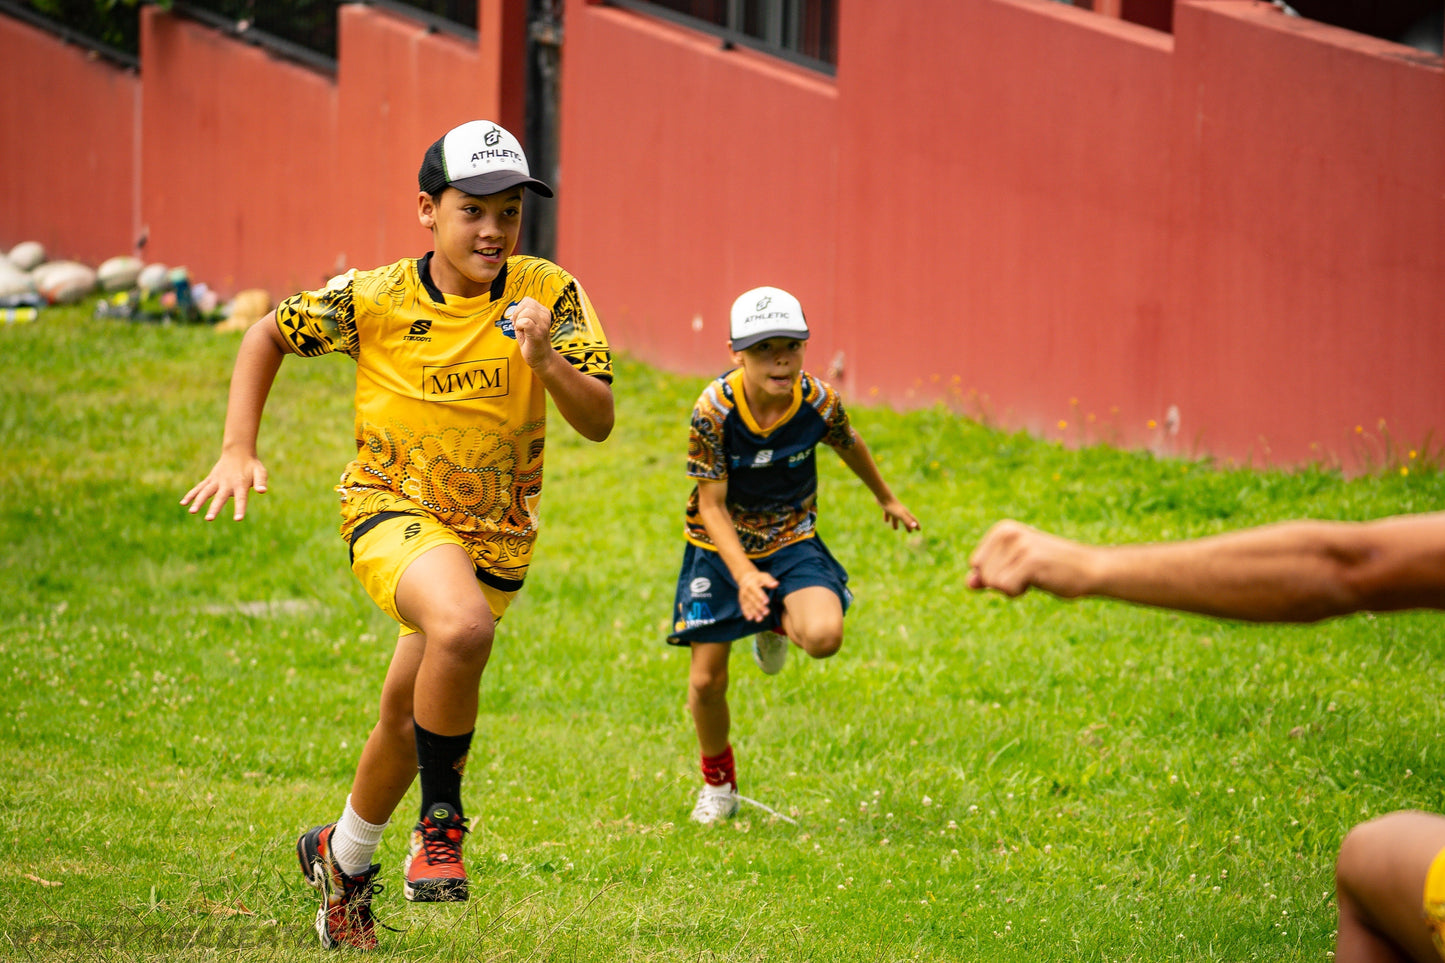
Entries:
{"x":233,"y":477}
{"x":895,"y":514}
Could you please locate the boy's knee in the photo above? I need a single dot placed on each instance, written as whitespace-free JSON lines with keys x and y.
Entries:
{"x":708,"y":683}
{"x":1359,"y":856}
{"x":1347,"y":860}
{"x":397,"y":722}
{"x":465,"y":636}
{"x":821,"y":644}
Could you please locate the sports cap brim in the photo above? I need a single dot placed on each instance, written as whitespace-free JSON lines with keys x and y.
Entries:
{"x":494,"y":182}
{"x":747,"y":341}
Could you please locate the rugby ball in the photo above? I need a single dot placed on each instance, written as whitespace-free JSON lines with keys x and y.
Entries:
{"x":13,"y":281}
{"x":27,"y":255}
{"x":63,"y":282}
{"x":119,"y":273}
{"x":153,"y":278}
{"x":245,"y":309}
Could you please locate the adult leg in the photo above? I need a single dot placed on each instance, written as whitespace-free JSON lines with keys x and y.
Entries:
{"x":1380,"y":887}
{"x":813,"y":618}
{"x":707,"y":695}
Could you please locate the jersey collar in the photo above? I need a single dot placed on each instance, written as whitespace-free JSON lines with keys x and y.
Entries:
{"x":735,"y":378}
{"x":423,"y":270}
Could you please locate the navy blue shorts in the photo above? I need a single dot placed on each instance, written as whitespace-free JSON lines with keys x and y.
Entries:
{"x":706,"y":607}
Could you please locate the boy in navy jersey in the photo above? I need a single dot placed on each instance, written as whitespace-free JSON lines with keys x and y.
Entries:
{"x":754,"y":564}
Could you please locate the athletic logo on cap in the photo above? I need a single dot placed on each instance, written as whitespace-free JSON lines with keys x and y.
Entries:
{"x":492,"y":137}
{"x":766,"y":312}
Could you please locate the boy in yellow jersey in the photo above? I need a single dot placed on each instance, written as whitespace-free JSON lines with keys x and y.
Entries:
{"x":455,"y":354}
{"x":1390,"y":874}
{"x":754,"y":564}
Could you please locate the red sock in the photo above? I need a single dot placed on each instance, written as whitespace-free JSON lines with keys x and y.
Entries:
{"x":720,"y":770}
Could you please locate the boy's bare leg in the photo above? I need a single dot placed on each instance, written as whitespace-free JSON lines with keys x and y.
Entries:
{"x":1380,"y":886}
{"x":439,"y":593}
{"x":813,"y":618}
{"x":707,"y":695}
{"x":388,"y":761}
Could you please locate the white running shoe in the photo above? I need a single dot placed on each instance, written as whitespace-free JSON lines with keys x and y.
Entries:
{"x":770,"y":651}
{"x":715,"y":803}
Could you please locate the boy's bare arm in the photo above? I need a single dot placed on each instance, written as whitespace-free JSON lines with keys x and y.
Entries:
{"x":753,"y":584}
{"x":860,"y":460}
{"x":585,"y":401}
{"x":239,"y":470}
{"x":1299,"y":571}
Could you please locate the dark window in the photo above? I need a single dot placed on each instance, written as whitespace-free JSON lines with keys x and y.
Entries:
{"x":311,"y":24}
{"x":112,"y":30}
{"x":803,"y":31}
{"x":307,"y":26}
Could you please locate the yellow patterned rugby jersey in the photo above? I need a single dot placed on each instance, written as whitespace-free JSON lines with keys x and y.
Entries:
{"x":450,"y":420}
{"x":772,"y":476}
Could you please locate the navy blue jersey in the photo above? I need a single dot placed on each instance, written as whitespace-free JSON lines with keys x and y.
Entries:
{"x":771,"y":474}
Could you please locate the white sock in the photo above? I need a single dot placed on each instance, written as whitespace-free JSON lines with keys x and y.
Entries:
{"x":354,"y":841}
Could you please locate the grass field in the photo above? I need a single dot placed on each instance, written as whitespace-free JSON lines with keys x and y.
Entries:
{"x":971,"y":778}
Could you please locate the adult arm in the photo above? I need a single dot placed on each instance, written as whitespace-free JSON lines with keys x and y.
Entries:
{"x":239,"y":470}
{"x":1297,"y":571}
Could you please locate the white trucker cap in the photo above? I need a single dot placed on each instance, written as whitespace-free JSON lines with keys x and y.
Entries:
{"x":763,"y":313}
{"x":477,"y":158}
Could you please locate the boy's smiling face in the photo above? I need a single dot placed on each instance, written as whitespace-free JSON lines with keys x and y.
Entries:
{"x":472,"y":237}
{"x":771,"y":368}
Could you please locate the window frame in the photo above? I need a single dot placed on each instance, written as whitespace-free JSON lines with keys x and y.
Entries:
{"x":731,"y":37}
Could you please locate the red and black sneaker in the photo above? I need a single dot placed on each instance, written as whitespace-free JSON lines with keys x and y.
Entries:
{"x":434,"y":871}
{"x":344,"y":918}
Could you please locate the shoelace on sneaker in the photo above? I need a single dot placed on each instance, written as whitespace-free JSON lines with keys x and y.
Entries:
{"x":357,"y":893}
{"x":437,"y":842}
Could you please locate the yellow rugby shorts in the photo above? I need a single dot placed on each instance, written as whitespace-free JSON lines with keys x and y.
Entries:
{"x":384,"y":546}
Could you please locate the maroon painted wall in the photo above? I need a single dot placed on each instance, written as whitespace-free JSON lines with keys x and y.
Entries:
{"x":247,"y":168}
{"x":689,"y":175}
{"x":1067,"y":222}
{"x":399,"y":88}
{"x":1012,"y":253}
{"x":230,"y":162}
{"x":289,"y":176}
{"x":70,"y":184}
{"x":1308,"y":265}
{"x":1058,"y":219}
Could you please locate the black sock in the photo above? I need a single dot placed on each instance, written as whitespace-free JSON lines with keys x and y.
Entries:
{"x":441,"y":760}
